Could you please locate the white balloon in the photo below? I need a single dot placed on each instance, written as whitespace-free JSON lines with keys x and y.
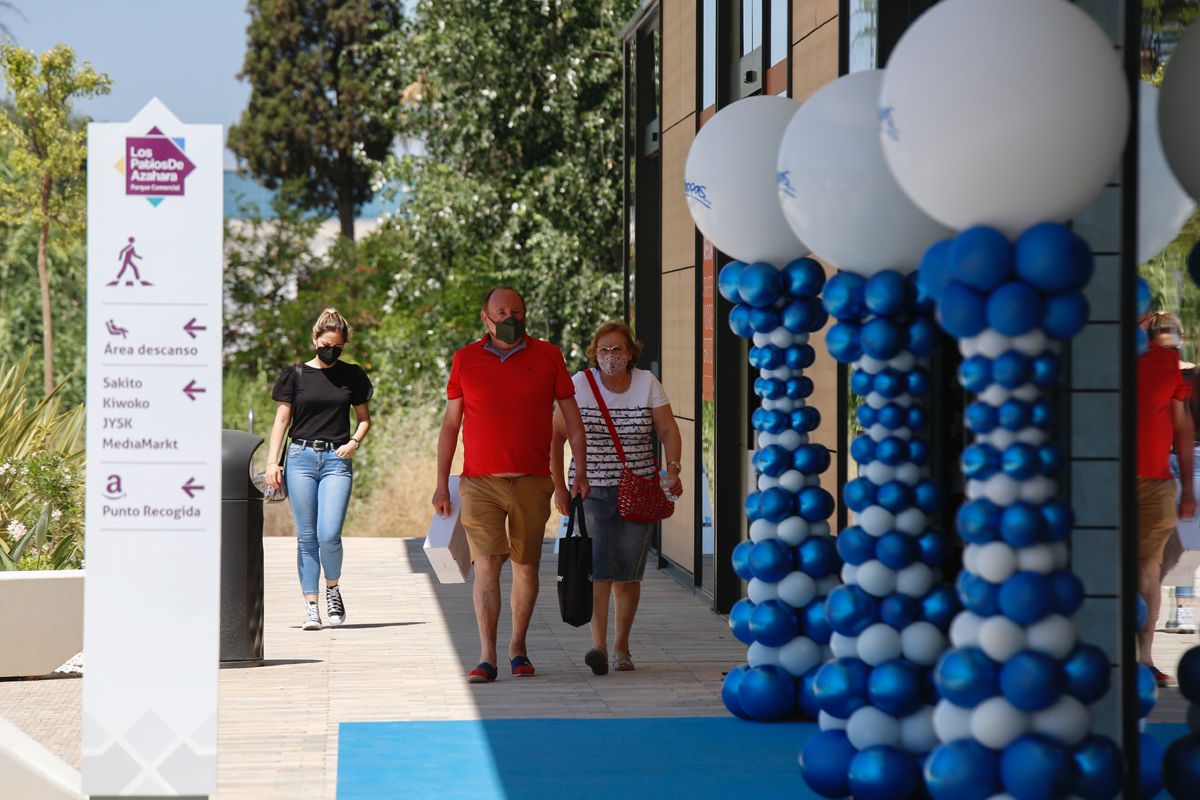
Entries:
{"x":917,"y":734}
{"x":1001,"y":638}
{"x":1030,"y":344}
{"x":1035,"y":437}
{"x":1001,"y":489}
{"x":994,"y":395}
{"x":828,"y":722}
{"x":870,"y":364}
{"x":951,"y":722}
{"x":970,"y":557}
{"x":1028,"y":392}
{"x":1055,"y":636}
{"x":849,"y":573}
{"x":767,"y":482}
{"x":995,"y":562}
{"x":968,"y":346}
{"x":827,"y":584}
{"x":819,"y":528}
{"x":834,"y":183}
{"x":915,"y":580}
{"x":879,"y":643}
{"x":792,"y":530}
{"x":762,"y":529}
{"x":758,"y":655}
{"x":790,"y":439}
{"x":996,"y":723}
{"x":908,"y":473}
{"x":879,"y":473}
{"x":843,"y":646}
{"x":761,"y":339}
{"x":799,"y":656}
{"x":964,"y":630}
{"x":766,"y":439}
{"x":1036,"y":558}
{"x":1066,"y":721}
{"x":911,"y":521}
{"x":1178,"y":115}
{"x":760,"y":591}
{"x":876,"y":520}
{"x":782,"y":337}
{"x":730,"y":177}
{"x":876,"y":578}
{"x":922,"y":643}
{"x":1038,"y":489}
{"x":904,"y":361}
{"x":870,"y":727}
{"x":797,"y":589}
{"x":986,"y":140}
{"x":793,"y":480}
{"x":993,"y":343}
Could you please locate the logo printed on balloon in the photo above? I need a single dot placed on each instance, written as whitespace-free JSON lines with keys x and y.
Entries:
{"x":785,"y":184}
{"x":695,"y":191}
{"x":888,"y":120}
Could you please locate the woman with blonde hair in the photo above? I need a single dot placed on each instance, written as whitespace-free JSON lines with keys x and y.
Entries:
{"x":639,"y":408}
{"x":315,"y":399}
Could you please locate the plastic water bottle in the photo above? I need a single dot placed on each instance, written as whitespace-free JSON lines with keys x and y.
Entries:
{"x":664,"y":480}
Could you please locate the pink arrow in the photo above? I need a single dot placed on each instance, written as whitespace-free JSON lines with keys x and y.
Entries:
{"x":191,"y":327}
{"x":191,"y":390}
{"x":191,"y":487}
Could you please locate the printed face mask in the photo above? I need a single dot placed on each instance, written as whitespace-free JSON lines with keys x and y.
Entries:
{"x":510,"y":330}
{"x":1169,"y":338}
{"x":328,"y":355}
{"x":612,"y":363}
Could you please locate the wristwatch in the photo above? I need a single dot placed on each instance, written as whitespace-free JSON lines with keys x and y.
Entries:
{"x":357,"y":443}
{"x":678,"y":467}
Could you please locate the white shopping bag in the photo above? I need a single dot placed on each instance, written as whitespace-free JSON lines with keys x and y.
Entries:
{"x":446,"y":543}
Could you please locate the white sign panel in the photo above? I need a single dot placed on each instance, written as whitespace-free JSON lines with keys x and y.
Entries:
{"x":151,"y":598}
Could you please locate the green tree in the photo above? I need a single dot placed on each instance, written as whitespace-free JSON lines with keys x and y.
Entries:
{"x":320,"y":119}
{"x":44,"y":182}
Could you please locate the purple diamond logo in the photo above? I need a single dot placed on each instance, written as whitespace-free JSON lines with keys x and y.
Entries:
{"x":155,"y":165}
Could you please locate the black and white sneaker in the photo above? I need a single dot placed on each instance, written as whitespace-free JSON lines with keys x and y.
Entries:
{"x":335,"y":606}
{"x":312,"y":618}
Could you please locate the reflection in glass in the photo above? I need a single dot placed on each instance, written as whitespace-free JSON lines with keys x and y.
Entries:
{"x":779,"y":31}
{"x":864,"y":34}
{"x":708,"y":94}
{"x":752,"y":21}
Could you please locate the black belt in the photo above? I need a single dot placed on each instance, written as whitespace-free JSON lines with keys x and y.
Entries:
{"x":318,"y":444}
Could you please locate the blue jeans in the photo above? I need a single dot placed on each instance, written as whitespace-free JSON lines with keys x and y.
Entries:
{"x":318,"y":484}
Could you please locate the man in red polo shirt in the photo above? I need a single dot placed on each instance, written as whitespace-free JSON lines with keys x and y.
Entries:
{"x":502,"y":392}
{"x":1163,"y":420}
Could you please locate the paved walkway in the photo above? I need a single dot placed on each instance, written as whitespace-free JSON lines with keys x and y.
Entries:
{"x":402,"y":656}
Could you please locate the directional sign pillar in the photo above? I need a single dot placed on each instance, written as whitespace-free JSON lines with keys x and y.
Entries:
{"x":151,"y":604}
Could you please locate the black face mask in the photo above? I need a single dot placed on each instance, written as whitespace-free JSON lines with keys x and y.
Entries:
{"x":328,"y":355}
{"x":510,"y":330}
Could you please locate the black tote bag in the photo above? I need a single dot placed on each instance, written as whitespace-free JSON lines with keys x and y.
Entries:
{"x":575,"y":570}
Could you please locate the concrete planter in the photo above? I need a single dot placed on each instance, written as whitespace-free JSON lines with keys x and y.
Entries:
{"x":43,"y":618}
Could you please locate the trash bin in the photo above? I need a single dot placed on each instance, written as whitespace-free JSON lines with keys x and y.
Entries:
{"x":241,"y":553}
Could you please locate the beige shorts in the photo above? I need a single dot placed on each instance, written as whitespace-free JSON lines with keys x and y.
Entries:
{"x":488,"y":502}
{"x":1156,"y":517}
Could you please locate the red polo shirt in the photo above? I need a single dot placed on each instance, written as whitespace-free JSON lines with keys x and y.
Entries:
{"x":1159,"y":381}
{"x":508,"y":406}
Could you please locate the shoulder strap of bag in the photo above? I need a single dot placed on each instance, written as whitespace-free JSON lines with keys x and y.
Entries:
{"x":297,"y":370}
{"x":577,"y":511}
{"x":612,"y":429}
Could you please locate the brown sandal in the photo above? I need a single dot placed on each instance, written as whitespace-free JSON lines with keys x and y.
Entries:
{"x":622,"y":662}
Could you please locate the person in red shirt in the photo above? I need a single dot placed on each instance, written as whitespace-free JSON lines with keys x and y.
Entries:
{"x":502,"y":393}
{"x":1163,"y":421}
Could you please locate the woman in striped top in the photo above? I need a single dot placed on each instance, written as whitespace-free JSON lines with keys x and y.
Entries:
{"x":639,"y":408}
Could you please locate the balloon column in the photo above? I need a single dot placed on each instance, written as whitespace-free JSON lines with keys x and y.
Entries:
{"x":1181,"y":768}
{"x":789,"y":561}
{"x":985,"y":148}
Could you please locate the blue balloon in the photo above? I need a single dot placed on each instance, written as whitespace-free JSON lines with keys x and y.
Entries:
{"x":1060,"y":519}
{"x":751,"y":505}
{"x":899,"y":611}
{"x":739,"y":620}
{"x":1011,"y":370}
{"x":775,"y":504}
{"x":892,"y":450}
{"x":939,"y":606}
{"x":768,"y":421}
{"x":980,"y":461}
{"x":962,"y":311}
{"x":896,"y":550}
{"x":975,"y":373}
{"x":841,"y":686}
{"x":1087,"y":673}
{"x":1053,"y":259}
{"x":1045,"y":368}
{"x":805,"y":419}
{"x":1035,"y":767}
{"x":1025,"y":598}
{"x":739,"y":321}
{"x":845,"y":296}
{"x":774,"y":623}
{"x":1099,"y":767}
{"x":865,"y":415}
{"x":772,"y":460}
{"x":1065,"y":315}
{"x":740,"y":558}
{"x":1020,"y":461}
{"x":1031,"y":681}
{"x":966,"y":677}
{"x":1150,"y":762}
{"x":798,"y":388}
{"x":891,"y":416}
{"x":760,"y":284}
{"x":1068,"y":592}
{"x":934,"y":273}
{"x":888,"y":293}
{"x":767,"y":693}
{"x":1014,"y":415}
{"x":855,"y":546}
{"x":933,"y":547}
{"x":816,"y":623}
{"x":814,"y":503}
{"x":895,"y":688}
{"x":811,"y":459}
{"x":977,"y":595}
{"x":727,"y":281}
{"x":729,"y":690}
{"x":1147,"y":690}
{"x":804,"y":277}
{"x":918,"y":451}
{"x":1181,"y":766}
{"x":1041,"y":414}
{"x":890,"y":383}
{"x":862,"y":449}
{"x":978,"y":521}
{"x":981,"y":258}
{"x":1021,"y":524}
{"x":764,"y":320}
{"x":771,"y":560}
{"x":766,"y":357}
{"x":851,"y":610}
{"x":895,"y":496}
{"x":1050,"y":459}
{"x":962,"y":770}
{"x":858,"y":494}
{"x":803,"y":315}
{"x":770,"y":388}
{"x":883,"y":338}
{"x":806,"y":698}
{"x":1187,"y":674}
{"x":1143,"y":289}
{"x":861,"y":382}
{"x":799,"y":356}
{"x":818,"y":557}
{"x":883,"y":773}
{"x":918,"y":381}
{"x":981,"y":417}
{"x":922,"y":337}
{"x":1014,"y":308}
{"x":825,"y":763}
{"x":929,"y":496}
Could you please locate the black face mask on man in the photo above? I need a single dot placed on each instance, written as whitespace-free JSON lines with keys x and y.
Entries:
{"x":509,"y":330}
{"x":329,"y":355}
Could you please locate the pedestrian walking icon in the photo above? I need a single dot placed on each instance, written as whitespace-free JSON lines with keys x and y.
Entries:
{"x":126,"y":257}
